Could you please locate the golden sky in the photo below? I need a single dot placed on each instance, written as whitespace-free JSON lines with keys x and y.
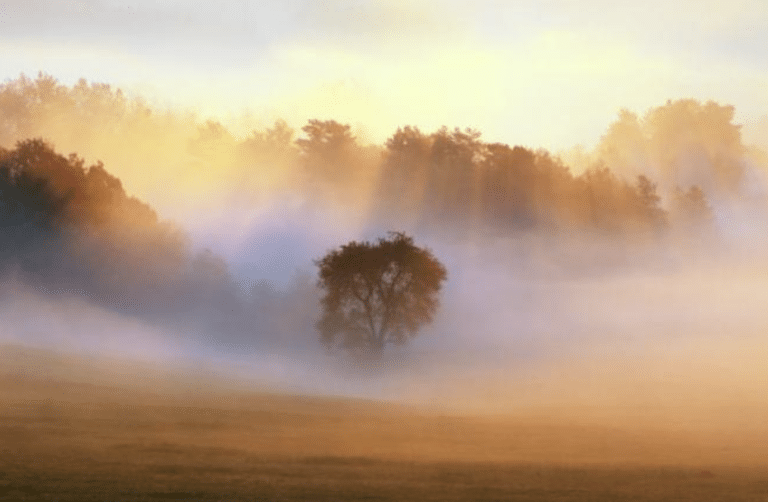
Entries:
{"x":546,"y":73}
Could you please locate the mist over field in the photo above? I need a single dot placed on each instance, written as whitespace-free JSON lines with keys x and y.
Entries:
{"x":622,"y":283}
{"x":188,"y":190}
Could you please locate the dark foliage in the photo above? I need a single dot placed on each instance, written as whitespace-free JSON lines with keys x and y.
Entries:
{"x":451,"y":179}
{"x":69,"y":228}
{"x":377,"y":294}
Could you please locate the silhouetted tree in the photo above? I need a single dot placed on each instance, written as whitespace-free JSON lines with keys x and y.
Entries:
{"x":65,"y":226}
{"x":377,"y":293}
{"x":325,"y":138}
{"x":30,"y":213}
{"x":404,"y":176}
{"x":274,"y":145}
{"x":451,"y":187}
{"x":327,"y":149}
{"x":335,"y":166}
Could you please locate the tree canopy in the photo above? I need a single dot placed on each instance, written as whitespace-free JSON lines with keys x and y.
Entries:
{"x":449,"y":181}
{"x":377,"y":294}
{"x":68,"y":227}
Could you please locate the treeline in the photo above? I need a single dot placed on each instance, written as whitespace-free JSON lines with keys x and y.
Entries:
{"x":682,"y":143}
{"x":450,"y":177}
{"x":450,"y":181}
{"x":68,"y":228}
{"x":647,"y":174}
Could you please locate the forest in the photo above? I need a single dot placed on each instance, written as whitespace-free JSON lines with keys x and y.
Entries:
{"x":84,"y":228}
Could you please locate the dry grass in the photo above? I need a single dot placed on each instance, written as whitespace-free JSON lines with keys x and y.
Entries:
{"x":69,"y":439}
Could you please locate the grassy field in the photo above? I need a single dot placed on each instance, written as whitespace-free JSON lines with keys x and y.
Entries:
{"x":67,"y":433}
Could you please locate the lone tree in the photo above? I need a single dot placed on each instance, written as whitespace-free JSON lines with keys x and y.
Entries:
{"x":377,"y":293}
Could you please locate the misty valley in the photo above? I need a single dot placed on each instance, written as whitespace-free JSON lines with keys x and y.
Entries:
{"x":191,"y":313}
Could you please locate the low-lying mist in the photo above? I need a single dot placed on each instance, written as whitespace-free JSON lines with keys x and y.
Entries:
{"x":680,"y":349}
{"x":601,"y":295}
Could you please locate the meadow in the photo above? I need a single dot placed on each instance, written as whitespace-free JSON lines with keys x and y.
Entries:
{"x":77,"y":428}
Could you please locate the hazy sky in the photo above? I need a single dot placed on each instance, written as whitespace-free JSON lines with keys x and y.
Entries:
{"x":548,"y":73}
